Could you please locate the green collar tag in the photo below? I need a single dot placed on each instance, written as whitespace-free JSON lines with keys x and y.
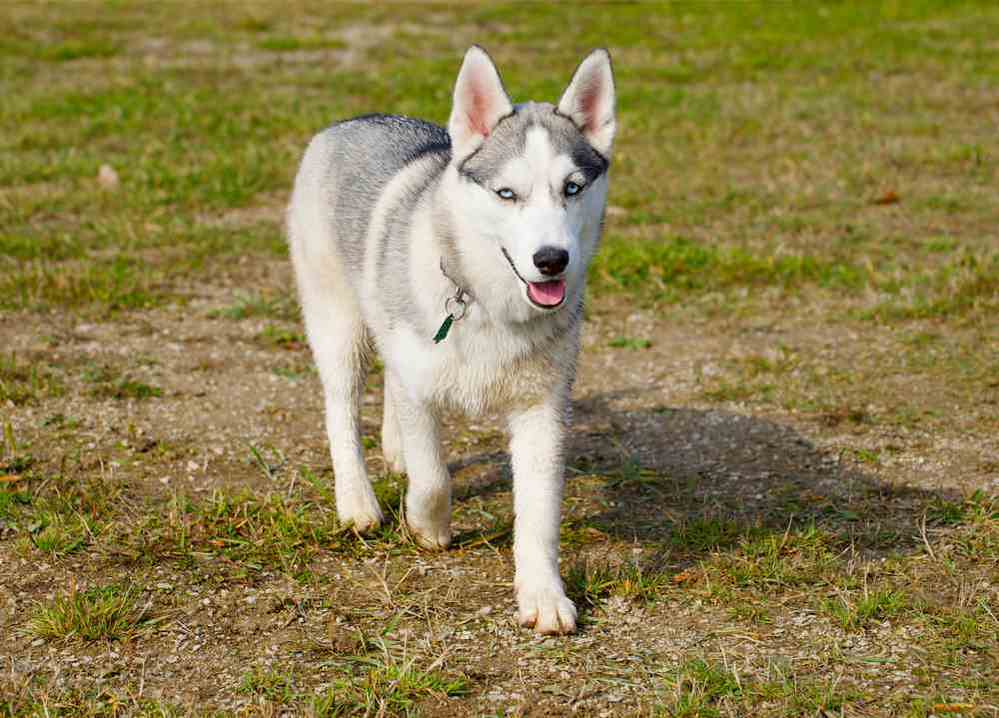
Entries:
{"x":441,"y":334}
{"x":455,"y":305}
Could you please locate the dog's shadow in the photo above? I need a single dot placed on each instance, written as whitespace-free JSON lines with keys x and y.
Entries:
{"x":646,"y":475}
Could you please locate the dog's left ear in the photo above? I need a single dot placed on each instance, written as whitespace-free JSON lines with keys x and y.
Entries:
{"x":589,"y":100}
{"x":480,"y":102}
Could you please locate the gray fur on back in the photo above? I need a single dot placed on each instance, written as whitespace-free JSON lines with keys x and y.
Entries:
{"x":365,"y":154}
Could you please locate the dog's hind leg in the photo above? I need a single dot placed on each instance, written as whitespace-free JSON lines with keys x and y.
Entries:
{"x":391,"y":437}
{"x":339,"y":343}
{"x":428,"y":496}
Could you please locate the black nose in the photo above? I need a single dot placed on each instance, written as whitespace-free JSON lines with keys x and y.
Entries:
{"x":551,"y":260}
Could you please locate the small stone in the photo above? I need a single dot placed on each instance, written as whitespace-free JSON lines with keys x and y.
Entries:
{"x":108,"y":178}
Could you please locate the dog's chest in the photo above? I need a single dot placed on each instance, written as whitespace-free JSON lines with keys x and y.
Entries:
{"x":478,"y":371}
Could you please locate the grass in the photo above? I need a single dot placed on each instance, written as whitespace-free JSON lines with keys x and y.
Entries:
{"x":383,"y":681}
{"x":877,"y":605}
{"x":234,"y":148}
{"x":23,"y":381}
{"x":109,"y":613}
{"x":590,"y":583}
{"x":630,"y":343}
{"x":245,"y":532}
{"x":257,"y":305}
{"x":390,"y":682}
{"x":709,"y":688}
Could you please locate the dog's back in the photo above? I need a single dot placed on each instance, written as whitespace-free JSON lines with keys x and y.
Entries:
{"x":353,"y":161}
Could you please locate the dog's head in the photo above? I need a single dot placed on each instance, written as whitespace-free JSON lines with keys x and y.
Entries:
{"x":531,"y":181}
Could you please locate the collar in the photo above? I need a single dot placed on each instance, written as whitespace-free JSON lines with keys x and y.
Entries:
{"x":455,"y":306}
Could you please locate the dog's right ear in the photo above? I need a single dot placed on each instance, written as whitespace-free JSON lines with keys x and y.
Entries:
{"x":480,"y":102}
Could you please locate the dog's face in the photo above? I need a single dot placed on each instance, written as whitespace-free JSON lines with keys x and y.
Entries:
{"x":533,"y":179}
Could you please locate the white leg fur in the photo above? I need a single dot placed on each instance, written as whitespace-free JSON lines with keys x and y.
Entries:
{"x":428,"y":497}
{"x":391,"y":438}
{"x":337,"y":335}
{"x":536,"y":447}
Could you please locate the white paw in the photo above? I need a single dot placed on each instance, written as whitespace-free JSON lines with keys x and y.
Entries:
{"x":430,"y":537}
{"x":362,"y":512}
{"x":428,"y":516}
{"x":546,"y":609}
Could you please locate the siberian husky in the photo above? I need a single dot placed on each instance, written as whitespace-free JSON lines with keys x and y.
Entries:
{"x":460,"y":254}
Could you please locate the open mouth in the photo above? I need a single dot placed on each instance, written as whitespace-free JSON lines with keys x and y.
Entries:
{"x":544,"y":295}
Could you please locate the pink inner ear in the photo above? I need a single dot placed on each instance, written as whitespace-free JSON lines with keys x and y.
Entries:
{"x":588,"y":103}
{"x":478,"y":112}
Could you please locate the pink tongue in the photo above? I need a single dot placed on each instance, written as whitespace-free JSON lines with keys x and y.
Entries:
{"x":547,"y":294}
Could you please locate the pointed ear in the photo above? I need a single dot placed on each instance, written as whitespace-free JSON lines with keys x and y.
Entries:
{"x":589,"y":100}
{"x":479,"y":103}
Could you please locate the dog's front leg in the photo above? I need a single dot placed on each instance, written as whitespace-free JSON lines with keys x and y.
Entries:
{"x":428,"y":498}
{"x":536,"y":446}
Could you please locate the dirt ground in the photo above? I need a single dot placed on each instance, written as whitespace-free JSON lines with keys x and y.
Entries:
{"x":783,"y":477}
{"x":225,"y":388}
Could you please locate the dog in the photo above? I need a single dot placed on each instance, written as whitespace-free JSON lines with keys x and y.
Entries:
{"x":460,"y":255}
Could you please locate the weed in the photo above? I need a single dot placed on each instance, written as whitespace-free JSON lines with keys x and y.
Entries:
{"x":877,"y":605}
{"x":108,"y":613}
{"x":274,"y":336}
{"x":109,"y":385}
{"x":250,"y":532}
{"x":387,"y":681}
{"x":58,"y":535}
{"x":258,"y":305}
{"x":592,"y":582}
{"x":699,"y":687}
{"x":704,"y":535}
{"x":769,"y":561}
{"x":275,"y":686}
{"x":21,"y":383}
{"x":630,"y":343}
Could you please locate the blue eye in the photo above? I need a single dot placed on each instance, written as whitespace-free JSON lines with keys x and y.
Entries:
{"x":572,"y":188}
{"x":506,"y":193}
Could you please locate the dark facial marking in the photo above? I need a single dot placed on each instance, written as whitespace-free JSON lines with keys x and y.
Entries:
{"x":509,"y":139}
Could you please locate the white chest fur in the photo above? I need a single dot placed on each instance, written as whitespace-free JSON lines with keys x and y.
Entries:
{"x":478,"y":368}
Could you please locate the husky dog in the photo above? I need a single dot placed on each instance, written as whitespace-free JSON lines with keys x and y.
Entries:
{"x":461,"y":255}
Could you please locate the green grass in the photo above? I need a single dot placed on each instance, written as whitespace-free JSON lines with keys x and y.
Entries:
{"x":38,"y":698}
{"x":672,"y":267}
{"x":275,"y":686}
{"x":877,"y":605}
{"x":258,"y":305}
{"x":630,"y":343}
{"x":110,"y":613}
{"x":383,"y":681}
{"x":57,"y":535}
{"x":275,"y":336}
{"x":779,"y":167}
{"x":389,"y":681}
{"x":24,"y":381}
{"x":108,"y":383}
{"x":589,"y":583}
{"x":247,"y":532}
{"x":216,"y":138}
